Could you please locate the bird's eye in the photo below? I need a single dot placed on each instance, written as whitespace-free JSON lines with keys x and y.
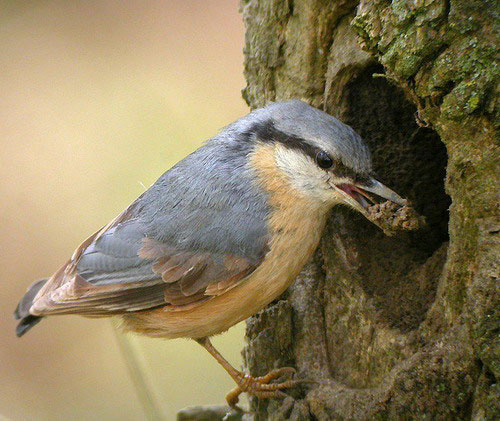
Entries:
{"x":324,"y":160}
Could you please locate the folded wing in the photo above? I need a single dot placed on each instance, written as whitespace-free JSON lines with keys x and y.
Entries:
{"x":120,"y":269}
{"x":197,"y":232}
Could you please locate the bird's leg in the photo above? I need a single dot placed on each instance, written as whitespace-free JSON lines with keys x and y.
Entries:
{"x":257,"y":386}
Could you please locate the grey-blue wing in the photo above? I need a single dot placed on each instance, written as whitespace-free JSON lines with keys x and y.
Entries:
{"x":192,"y":235}
{"x":114,"y":257}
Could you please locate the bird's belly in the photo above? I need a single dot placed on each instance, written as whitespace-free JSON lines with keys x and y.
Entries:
{"x":209,"y":318}
{"x":219,"y":313}
{"x":281,"y":266}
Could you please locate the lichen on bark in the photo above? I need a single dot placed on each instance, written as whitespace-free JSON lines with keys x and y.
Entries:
{"x":403,"y":327}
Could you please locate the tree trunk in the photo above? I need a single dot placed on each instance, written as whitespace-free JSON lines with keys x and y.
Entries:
{"x":398,"y":327}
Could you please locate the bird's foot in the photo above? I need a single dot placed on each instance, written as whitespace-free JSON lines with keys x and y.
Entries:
{"x":261,"y":386}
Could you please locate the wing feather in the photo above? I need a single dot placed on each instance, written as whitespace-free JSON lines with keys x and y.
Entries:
{"x":196,"y":233}
{"x":110,"y":275}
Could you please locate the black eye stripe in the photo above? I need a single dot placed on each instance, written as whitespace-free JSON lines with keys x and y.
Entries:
{"x":267,"y":132}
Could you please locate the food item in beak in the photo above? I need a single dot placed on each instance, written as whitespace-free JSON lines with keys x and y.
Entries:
{"x":391,"y":217}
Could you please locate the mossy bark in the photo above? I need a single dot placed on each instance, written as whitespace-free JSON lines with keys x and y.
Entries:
{"x":405,"y":327}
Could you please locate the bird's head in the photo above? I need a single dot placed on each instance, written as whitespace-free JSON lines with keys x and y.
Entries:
{"x":325,"y":160}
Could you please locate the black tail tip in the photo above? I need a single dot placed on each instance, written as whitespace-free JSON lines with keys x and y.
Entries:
{"x":26,"y":324}
{"x":22,"y":311}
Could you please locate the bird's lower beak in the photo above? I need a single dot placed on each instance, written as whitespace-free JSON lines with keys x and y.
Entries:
{"x":360,"y":196}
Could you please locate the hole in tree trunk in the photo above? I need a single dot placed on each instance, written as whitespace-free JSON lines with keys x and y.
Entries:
{"x":408,"y":158}
{"x":379,"y":288}
{"x":400,"y":273}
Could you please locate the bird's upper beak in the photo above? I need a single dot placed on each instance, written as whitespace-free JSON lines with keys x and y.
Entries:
{"x":360,"y":195}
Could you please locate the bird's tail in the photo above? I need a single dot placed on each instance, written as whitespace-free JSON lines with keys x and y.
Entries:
{"x":22,"y":311}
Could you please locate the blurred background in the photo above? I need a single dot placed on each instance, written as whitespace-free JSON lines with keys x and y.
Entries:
{"x":97,"y":99}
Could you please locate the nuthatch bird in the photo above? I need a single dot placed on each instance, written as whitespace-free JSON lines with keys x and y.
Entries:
{"x":220,"y":235}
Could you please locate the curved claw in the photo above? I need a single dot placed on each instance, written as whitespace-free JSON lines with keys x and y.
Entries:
{"x":278,"y":372}
{"x":261,"y":386}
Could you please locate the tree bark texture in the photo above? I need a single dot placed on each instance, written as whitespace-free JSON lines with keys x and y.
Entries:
{"x":401,"y":327}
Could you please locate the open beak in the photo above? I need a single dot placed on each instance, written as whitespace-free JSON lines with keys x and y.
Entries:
{"x":362,"y":196}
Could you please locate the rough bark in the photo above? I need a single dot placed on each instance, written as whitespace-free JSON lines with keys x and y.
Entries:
{"x":403,"y":327}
